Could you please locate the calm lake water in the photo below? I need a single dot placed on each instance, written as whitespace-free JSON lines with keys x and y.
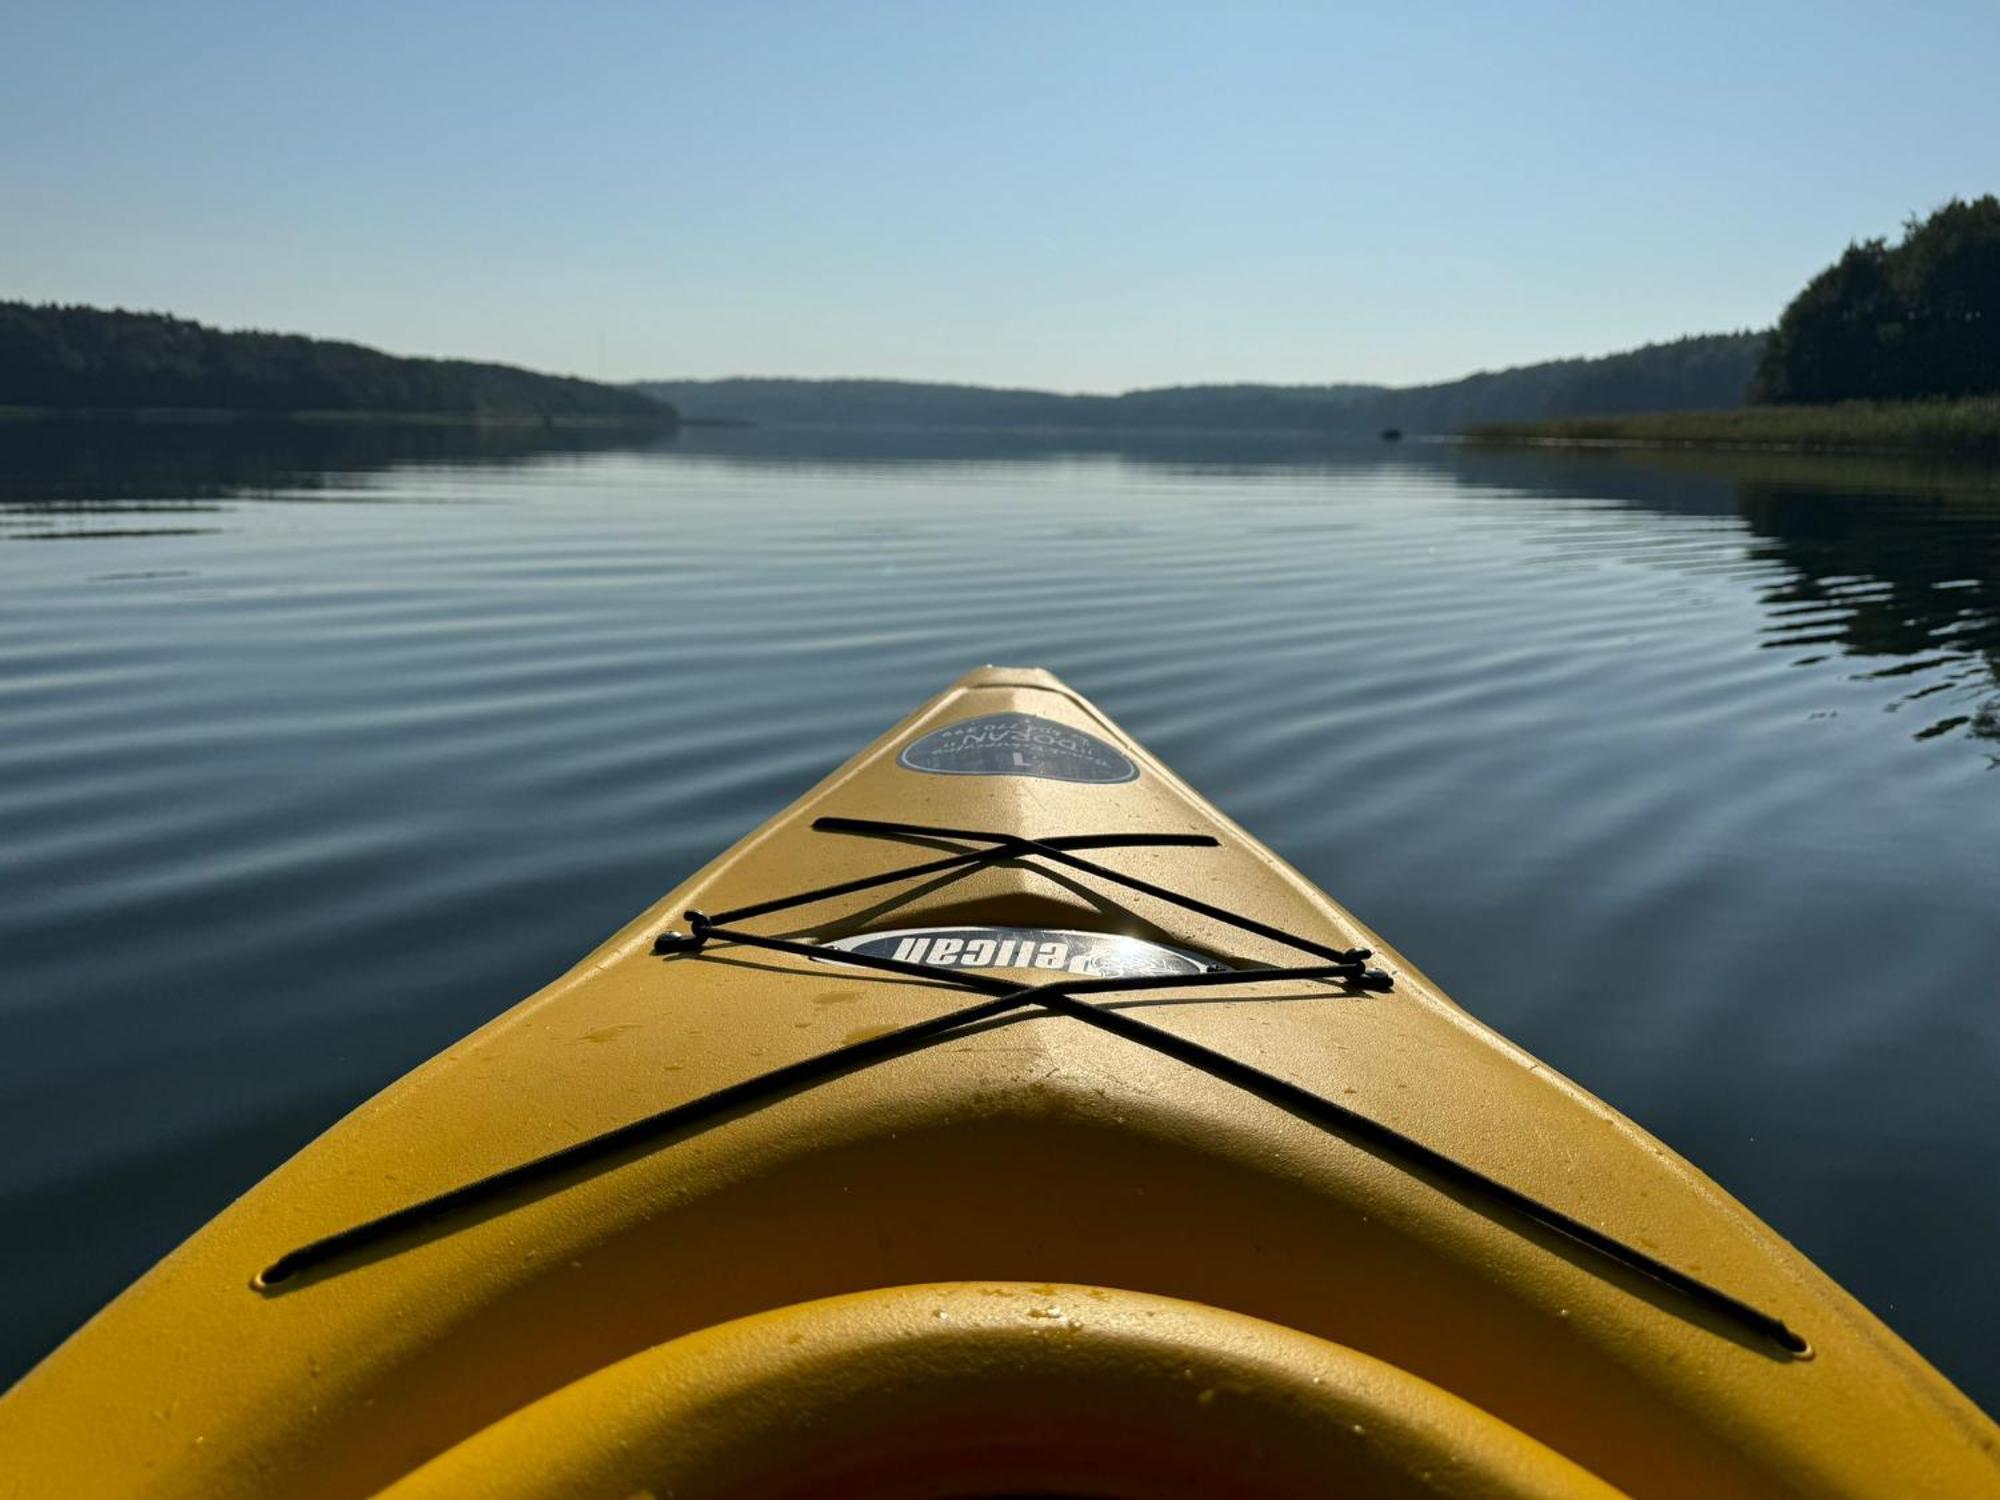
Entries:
{"x":319,"y":748}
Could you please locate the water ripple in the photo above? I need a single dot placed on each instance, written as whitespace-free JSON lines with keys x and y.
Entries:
{"x":1682,"y":780}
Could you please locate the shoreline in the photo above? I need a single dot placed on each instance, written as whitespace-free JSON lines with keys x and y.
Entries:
{"x":207,"y":416}
{"x":1966,"y":428}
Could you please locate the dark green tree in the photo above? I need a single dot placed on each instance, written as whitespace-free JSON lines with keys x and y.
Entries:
{"x":1947,"y":271}
{"x":1917,"y":319}
{"x":1830,"y":343}
{"x":83,"y":357}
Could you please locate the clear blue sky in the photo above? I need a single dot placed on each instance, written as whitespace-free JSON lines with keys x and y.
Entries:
{"x":1078,"y":195}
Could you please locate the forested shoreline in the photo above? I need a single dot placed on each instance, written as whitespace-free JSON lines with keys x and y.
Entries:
{"x":1693,"y":373}
{"x":1918,"y":320}
{"x":1892,"y":348}
{"x":65,"y":358}
{"x":1970,"y":426}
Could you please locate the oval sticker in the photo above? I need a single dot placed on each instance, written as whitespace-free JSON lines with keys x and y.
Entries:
{"x":1013,"y":744}
{"x":1103,"y":955}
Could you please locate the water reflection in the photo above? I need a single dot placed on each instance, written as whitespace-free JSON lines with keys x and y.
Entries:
{"x":1889,"y":561}
{"x":57,"y":476}
{"x":349,"y":772}
{"x":1885,"y":560}
{"x":1882,"y":557}
{"x":1911,"y":579}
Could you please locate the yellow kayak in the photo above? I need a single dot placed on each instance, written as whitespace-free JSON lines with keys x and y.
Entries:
{"x":999,"y":1118}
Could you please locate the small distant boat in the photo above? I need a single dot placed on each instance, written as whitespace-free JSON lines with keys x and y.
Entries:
{"x":1392,"y":434}
{"x":999,"y":1118}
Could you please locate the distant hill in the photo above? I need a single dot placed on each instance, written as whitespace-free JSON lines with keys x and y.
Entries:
{"x":907,"y":403}
{"x":1704,"y":372}
{"x":83,"y":357}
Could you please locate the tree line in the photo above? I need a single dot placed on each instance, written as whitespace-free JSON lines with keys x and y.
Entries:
{"x":1914,"y":320}
{"x":84,"y":357}
{"x":1689,"y":374}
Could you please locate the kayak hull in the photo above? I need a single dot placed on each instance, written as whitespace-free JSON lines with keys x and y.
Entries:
{"x":1029,"y":1150}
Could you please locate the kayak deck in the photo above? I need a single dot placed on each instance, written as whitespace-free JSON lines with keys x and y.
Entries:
{"x":1032,"y":1146}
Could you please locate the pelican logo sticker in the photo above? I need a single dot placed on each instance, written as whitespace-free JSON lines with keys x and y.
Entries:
{"x":1101,"y":955}
{"x":1017,"y":745}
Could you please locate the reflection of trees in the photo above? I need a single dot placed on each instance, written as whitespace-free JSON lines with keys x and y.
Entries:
{"x":1892,"y":576}
{"x":1193,"y":451}
{"x":1887,"y":557}
{"x":1884,"y":559}
{"x":87,"y":463}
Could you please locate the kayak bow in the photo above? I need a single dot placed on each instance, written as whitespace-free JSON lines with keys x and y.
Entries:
{"x":997,"y":1118}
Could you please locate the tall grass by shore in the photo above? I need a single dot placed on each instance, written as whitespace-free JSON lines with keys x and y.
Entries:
{"x":1969,"y":426}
